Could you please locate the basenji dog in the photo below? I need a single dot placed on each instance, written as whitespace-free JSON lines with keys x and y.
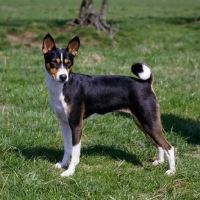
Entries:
{"x":75,"y":97}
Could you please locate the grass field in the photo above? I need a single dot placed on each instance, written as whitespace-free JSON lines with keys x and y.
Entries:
{"x":116,"y":157}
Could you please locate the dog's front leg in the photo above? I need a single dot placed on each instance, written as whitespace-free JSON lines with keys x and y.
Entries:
{"x":76,"y":149}
{"x":67,"y":137}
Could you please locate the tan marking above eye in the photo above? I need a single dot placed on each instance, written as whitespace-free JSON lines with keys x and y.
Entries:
{"x":66,"y":61}
{"x":58,"y":60}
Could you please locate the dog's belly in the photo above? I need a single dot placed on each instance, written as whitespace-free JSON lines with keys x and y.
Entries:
{"x":97,"y":114}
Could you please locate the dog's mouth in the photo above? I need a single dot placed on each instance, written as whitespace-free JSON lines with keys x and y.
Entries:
{"x":59,"y":81}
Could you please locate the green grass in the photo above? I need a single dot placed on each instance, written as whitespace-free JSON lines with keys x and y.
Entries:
{"x":116,"y":156}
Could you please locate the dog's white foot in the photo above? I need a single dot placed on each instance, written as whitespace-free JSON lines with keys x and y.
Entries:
{"x":67,"y":173}
{"x":170,"y":172}
{"x":60,"y":165}
{"x":171,"y":160}
{"x":157,"y":162}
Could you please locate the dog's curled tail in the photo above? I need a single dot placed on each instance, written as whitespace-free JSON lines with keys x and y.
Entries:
{"x":142,"y":71}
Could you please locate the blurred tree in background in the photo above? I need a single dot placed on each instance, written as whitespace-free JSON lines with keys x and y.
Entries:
{"x":89,"y":16}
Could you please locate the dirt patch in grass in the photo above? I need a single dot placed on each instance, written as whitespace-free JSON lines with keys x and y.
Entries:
{"x":27,"y":39}
{"x":2,"y":107}
{"x":5,"y":107}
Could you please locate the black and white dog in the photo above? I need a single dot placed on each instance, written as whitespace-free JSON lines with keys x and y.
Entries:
{"x":75,"y":97}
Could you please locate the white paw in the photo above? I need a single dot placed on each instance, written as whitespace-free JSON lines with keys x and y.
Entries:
{"x":157,"y":162}
{"x":60,"y":165}
{"x":67,"y":173}
{"x":170,"y":172}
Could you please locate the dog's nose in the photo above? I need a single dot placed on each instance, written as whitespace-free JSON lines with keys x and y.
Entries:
{"x":63,"y":77}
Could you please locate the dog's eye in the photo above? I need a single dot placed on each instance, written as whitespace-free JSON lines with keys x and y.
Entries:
{"x":54,"y":63}
{"x":67,"y":63}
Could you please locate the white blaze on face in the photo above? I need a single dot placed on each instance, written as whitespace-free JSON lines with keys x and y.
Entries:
{"x":61,"y":70}
{"x":61,"y":57}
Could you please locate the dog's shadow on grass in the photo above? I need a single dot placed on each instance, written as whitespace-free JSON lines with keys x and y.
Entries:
{"x":112,"y":152}
{"x":187,"y":128}
{"x":53,"y":155}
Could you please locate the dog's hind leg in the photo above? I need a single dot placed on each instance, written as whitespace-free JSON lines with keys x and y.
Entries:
{"x":152,"y":127}
{"x":162,"y":146}
{"x":170,"y":156}
{"x":171,"y":159}
{"x":67,"y":137}
{"x":160,"y":159}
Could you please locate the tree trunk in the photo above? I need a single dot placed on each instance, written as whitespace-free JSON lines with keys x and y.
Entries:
{"x":103,"y":11}
{"x":89,"y":16}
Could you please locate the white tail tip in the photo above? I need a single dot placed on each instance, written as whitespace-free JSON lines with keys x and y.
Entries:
{"x":146,"y":73}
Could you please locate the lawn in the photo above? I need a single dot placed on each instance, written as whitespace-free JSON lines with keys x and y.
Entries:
{"x":115,"y":157}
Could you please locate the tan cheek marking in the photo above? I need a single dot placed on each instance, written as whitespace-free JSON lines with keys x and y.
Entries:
{"x":52,"y":71}
{"x":69,"y":69}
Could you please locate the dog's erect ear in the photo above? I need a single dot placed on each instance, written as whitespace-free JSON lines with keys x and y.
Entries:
{"x":73,"y":46}
{"x":48,"y":44}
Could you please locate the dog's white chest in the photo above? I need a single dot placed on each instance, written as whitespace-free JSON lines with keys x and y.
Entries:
{"x":57,"y":101}
{"x":59,"y":106}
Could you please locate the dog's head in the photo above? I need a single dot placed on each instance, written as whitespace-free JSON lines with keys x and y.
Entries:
{"x":59,"y":61}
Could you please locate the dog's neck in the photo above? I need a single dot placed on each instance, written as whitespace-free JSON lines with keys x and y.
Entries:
{"x":55,"y":88}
